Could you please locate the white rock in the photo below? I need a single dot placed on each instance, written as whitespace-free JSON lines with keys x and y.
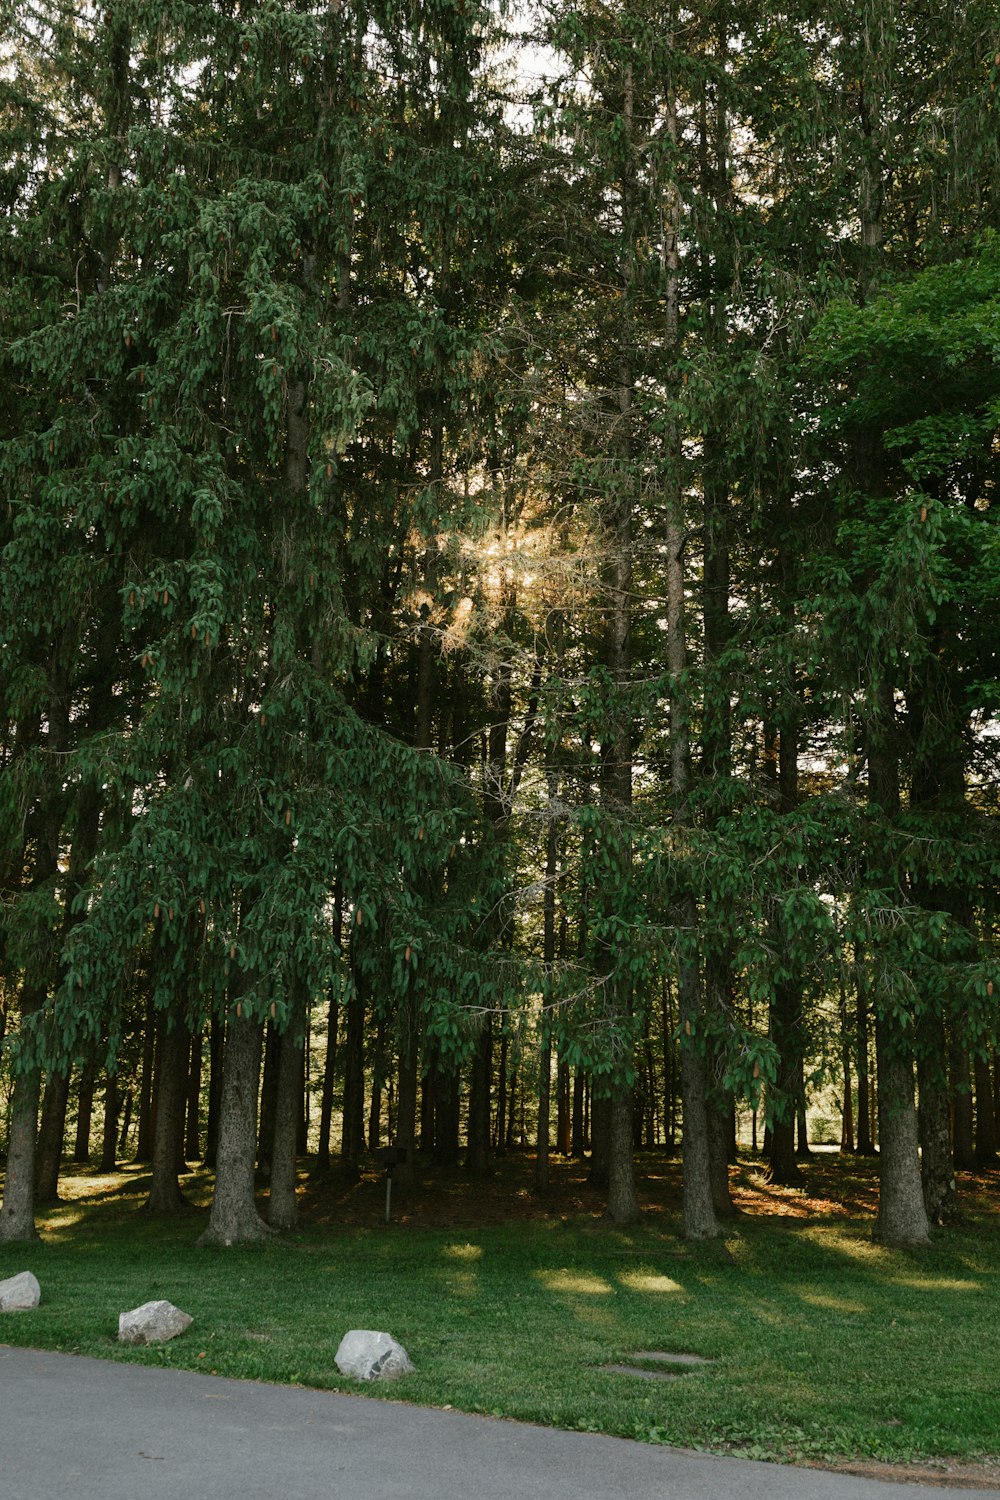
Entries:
{"x":372,"y":1356}
{"x":19,"y":1292}
{"x":152,"y":1323}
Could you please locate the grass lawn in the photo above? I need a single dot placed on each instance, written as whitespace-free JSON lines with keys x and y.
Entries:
{"x":824,"y":1346}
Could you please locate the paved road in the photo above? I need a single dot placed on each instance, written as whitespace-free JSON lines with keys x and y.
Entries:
{"x":85,"y":1429}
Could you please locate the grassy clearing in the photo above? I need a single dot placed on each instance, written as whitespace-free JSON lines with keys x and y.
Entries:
{"x":825,"y":1347}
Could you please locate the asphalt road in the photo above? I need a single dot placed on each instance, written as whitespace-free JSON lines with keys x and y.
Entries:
{"x":85,"y":1429}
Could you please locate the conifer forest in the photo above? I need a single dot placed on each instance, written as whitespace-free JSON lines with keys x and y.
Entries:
{"x":500,"y":594}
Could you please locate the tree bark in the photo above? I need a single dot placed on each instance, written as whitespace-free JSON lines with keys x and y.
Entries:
{"x":865,"y":1145}
{"x":282,"y":1207}
{"x":937,"y":1172}
{"x":352,"y":1137}
{"x":49,"y":1148}
{"x":109,"y":1135}
{"x":216,"y":1050}
{"x":902,"y":1217}
{"x":234,"y":1217}
{"x":268,"y":1097}
{"x":84,"y":1114}
{"x":623,"y":1202}
{"x":165,"y":1196}
{"x":961,"y":1103}
{"x":409,"y":1072}
{"x":144,"y":1141}
{"x":986,"y":1133}
{"x":192,"y":1132}
{"x":17,"y":1212}
{"x":329,"y":1075}
{"x":478,"y":1161}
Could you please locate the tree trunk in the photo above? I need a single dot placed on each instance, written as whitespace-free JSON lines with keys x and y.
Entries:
{"x":847,"y":1112}
{"x":329,"y":1074}
{"x":986,"y":1134}
{"x":165,"y":1196}
{"x":937,"y":1170}
{"x":49,"y":1150}
{"x":578,"y":1131}
{"x":17,"y":1212}
{"x":543,"y":1139}
{"x":564,"y":1110}
{"x":192,"y":1133}
{"x":84,"y":1114}
{"x":902,"y":1217}
{"x":623,"y":1203}
{"x":961,"y":1103}
{"x":126,"y":1123}
{"x":268,"y":1100}
{"x":500,"y":1120}
{"x":282,"y":1207}
{"x":378,"y":1082}
{"x":216,"y":1049}
{"x":865,"y":1145}
{"x":109,"y":1135}
{"x":353,"y":1130}
{"x":599,"y":1175}
{"x":719,"y":1119}
{"x":409,"y":1072}
{"x":144,"y":1141}
{"x":700,"y":1222}
{"x":234,"y":1217}
{"x":477,"y":1156}
{"x":447,"y":1110}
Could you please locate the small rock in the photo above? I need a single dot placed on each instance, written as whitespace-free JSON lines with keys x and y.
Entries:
{"x":19,"y":1293}
{"x":152,"y":1323}
{"x":365,"y":1355}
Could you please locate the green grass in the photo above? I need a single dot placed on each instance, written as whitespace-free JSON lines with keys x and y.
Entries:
{"x":825,"y":1346}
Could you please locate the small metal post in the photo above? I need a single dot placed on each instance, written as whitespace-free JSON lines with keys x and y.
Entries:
{"x":388,"y":1193}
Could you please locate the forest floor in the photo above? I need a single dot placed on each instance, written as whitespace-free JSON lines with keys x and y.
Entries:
{"x":820,"y":1347}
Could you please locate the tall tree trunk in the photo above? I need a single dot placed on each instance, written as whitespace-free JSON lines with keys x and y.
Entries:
{"x":109,"y":1135}
{"x":961,"y":1102}
{"x":447,"y":1113}
{"x":49,"y":1149}
{"x":192,"y":1132}
{"x":937,"y":1171}
{"x":126,"y":1123}
{"x":268,"y":1100}
{"x":84,"y":1114}
{"x":564,"y":1109}
{"x":478,"y":1156}
{"x":986,"y":1133}
{"x":329,"y":1075}
{"x":409,"y":1073}
{"x":216,"y":1050}
{"x":234,"y":1217}
{"x":17,"y":1212}
{"x":865,"y":1146}
{"x":282,"y":1206}
{"x":165,"y":1194}
{"x":378,"y":1083}
{"x":902,"y":1217}
{"x":352,"y":1136}
{"x":144,"y":1141}
{"x":847,"y":1113}
{"x":599,"y":1175}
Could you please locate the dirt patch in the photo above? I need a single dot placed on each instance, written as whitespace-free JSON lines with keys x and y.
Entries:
{"x":448,"y":1198}
{"x":959,"y":1476}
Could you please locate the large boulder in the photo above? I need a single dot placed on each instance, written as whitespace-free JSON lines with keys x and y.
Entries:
{"x":152,"y":1323}
{"x":19,"y":1293}
{"x":365,"y":1355}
